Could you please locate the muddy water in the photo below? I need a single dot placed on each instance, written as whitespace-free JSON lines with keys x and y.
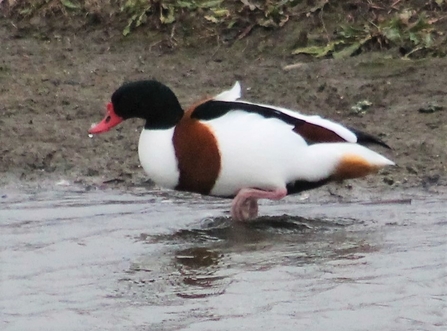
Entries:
{"x":103,"y":260}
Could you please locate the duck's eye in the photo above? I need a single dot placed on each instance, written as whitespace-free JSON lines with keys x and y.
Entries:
{"x":108,"y":118}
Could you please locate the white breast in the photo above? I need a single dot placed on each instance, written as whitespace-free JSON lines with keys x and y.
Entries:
{"x":157,"y":157}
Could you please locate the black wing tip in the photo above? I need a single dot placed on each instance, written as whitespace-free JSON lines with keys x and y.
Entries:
{"x":364,"y":138}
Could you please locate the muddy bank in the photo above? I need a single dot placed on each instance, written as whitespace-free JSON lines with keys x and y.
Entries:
{"x":53,"y":88}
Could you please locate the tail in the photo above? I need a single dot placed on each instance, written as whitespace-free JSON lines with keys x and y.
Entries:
{"x":339,"y":161}
{"x":230,"y":95}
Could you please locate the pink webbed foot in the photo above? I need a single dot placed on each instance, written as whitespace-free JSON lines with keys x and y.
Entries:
{"x":245,"y":205}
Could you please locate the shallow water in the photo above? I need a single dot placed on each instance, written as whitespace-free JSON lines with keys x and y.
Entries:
{"x":103,"y":260}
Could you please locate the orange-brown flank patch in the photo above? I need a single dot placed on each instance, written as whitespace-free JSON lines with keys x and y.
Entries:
{"x":353,"y":166}
{"x":197,"y":155}
{"x":316,"y":133}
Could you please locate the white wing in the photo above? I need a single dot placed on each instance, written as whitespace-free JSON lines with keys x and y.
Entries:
{"x":339,"y":129}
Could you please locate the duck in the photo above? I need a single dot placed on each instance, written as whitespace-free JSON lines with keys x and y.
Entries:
{"x":226,"y":147}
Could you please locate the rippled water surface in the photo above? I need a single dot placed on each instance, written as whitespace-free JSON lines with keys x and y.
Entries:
{"x":95,"y":260}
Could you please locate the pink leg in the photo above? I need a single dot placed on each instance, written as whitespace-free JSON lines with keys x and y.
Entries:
{"x":245,"y":204}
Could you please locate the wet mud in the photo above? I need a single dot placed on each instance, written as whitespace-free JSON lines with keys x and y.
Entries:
{"x":87,"y":242}
{"x":55,"y":85}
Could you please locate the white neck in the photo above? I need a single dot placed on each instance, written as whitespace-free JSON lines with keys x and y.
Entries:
{"x":157,"y":156}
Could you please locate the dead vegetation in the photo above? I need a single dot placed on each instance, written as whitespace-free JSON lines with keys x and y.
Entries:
{"x":331,"y":28}
{"x":411,"y":30}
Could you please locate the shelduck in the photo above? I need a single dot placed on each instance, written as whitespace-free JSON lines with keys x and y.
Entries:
{"x":238,"y":149}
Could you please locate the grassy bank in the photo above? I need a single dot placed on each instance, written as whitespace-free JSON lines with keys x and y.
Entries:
{"x":326,"y":28}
